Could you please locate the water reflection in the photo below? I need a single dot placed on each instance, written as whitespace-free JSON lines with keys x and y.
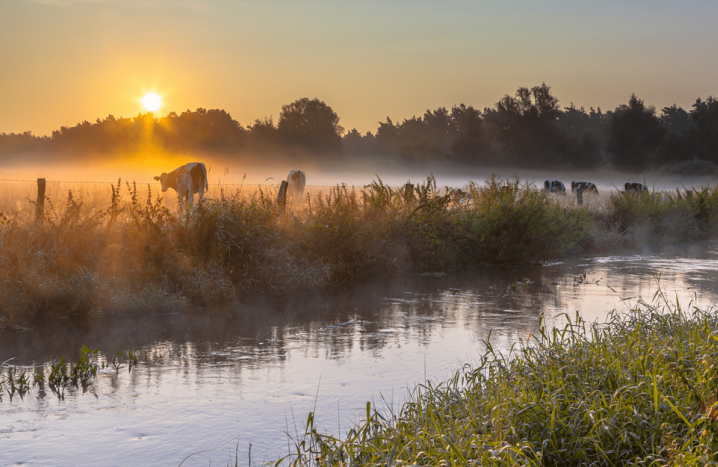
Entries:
{"x":213,"y":378}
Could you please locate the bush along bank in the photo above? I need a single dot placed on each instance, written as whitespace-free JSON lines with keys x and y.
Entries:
{"x":638,"y":390}
{"x":136,"y":255}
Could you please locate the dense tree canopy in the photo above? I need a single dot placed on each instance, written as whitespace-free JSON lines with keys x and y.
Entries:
{"x":526,"y":129}
{"x":312,"y":125}
{"x":633,"y":134}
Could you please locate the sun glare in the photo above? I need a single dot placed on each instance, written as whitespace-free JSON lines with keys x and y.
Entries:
{"x":151,"y":101}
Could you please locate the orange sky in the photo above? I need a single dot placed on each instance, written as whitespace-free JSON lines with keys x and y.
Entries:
{"x":64,"y":61}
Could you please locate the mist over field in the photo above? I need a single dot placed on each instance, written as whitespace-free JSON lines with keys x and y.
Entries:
{"x":528,"y":135}
{"x":229,"y":174}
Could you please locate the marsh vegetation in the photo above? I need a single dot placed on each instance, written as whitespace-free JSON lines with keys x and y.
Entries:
{"x":134,"y":253}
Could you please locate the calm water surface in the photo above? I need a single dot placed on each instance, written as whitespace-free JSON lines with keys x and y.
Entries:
{"x":249,"y":374}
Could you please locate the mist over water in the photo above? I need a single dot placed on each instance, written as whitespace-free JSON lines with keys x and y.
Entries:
{"x":212,"y":378}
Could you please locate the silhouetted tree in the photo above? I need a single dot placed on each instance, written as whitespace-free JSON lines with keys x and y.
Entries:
{"x":675,"y":119}
{"x":588,"y":132}
{"x":634,"y":133}
{"x":439,"y":127}
{"x":416,"y":139}
{"x":467,"y":142}
{"x":690,"y":135}
{"x":675,"y":144}
{"x":411,"y":131}
{"x":21,"y":142}
{"x":525,"y":128}
{"x":704,"y":134}
{"x":209,"y":130}
{"x":312,"y":125}
{"x":387,"y":137}
{"x":354,"y":143}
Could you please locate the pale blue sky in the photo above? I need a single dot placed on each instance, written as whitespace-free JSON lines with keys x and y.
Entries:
{"x":63,"y":61}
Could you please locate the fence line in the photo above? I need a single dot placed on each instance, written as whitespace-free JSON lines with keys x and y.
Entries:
{"x":133,"y":181}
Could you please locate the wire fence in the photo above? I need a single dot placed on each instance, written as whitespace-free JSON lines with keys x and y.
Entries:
{"x":326,"y":185}
{"x":15,"y":193}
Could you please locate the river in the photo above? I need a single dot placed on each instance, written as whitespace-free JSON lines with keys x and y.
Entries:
{"x":221,"y":379}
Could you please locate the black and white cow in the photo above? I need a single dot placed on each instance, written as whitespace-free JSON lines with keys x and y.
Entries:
{"x":635,"y":187}
{"x":554,"y":186}
{"x":586,"y":187}
{"x":460,"y":196}
{"x":296,"y":181}
{"x":186,"y":181}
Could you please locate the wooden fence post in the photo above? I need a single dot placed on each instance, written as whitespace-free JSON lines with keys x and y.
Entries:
{"x":409,"y":192}
{"x":282,"y":197}
{"x":579,"y":196}
{"x":40,"y":205}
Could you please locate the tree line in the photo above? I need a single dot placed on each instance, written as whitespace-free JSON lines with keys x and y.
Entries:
{"x":527,"y":129}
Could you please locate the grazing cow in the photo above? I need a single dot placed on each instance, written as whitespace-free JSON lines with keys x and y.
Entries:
{"x":586,"y":187}
{"x":554,"y":186}
{"x":460,"y":196}
{"x":186,"y":181}
{"x":296,"y":181}
{"x":635,"y":187}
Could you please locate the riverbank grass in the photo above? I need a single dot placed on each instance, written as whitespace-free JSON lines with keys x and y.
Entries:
{"x":637,"y":390}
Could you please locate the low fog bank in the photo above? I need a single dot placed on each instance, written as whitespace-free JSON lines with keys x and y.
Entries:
{"x":354,"y":171}
{"x":392,"y":173}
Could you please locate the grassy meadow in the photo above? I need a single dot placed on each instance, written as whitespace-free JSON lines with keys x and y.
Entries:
{"x":127,"y":248}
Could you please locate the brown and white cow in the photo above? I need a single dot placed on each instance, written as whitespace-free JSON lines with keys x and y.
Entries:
{"x":635,"y":187}
{"x":186,"y":181}
{"x":296,"y":181}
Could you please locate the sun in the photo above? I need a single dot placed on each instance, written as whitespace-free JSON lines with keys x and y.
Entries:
{"x":152,"y":101}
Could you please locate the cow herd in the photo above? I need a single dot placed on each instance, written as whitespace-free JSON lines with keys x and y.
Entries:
{"x":191,"y":179}
{"x":557,"y":186}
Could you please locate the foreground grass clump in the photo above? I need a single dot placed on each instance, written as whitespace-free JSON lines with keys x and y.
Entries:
{"x":639,"y":390}
{"x":135,"y":255}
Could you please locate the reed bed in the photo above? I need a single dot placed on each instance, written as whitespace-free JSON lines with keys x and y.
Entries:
{"x":639,"y":389}
{"x":136,"y":252}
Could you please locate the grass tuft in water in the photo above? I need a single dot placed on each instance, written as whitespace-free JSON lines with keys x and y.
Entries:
{"x":61,"y":373}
